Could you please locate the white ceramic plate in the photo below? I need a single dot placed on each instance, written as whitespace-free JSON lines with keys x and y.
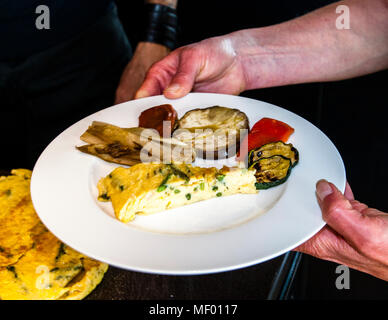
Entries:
{"x":210,"y":236}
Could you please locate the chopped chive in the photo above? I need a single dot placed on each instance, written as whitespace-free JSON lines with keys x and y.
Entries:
{"x":179,"y":173}
{"x":121,"y":188}
{"x":202,"y":186}
{"x":105,"y":196}
{"x":188,"y":196}
{"x":61,"y":251}
{"x":220,"y":177}
{"x":219,"y":194}
{"x":177,"y":191}
{"x":196,"y":189}
{"x":215,"y":188}
{"x":161,"y":188}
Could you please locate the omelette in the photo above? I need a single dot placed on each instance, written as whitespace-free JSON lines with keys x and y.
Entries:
{"x":17,"y":216}
{"x":148,"y":188}
{"x":34,"y":264}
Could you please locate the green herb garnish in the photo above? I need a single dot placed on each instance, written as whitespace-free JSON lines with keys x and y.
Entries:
{"x":220,"y":177}
{"x":188,"y":196}
{"x":179,"y":173}
{"x":61,"y":251}
{"x":161,"y":188}
{"x":163,"y":185}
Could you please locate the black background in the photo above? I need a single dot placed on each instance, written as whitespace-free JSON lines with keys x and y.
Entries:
{"x":352,"y":113}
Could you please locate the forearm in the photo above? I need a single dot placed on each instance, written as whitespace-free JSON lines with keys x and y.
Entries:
{"x":169,"y":3}
{"x":311,"y":48}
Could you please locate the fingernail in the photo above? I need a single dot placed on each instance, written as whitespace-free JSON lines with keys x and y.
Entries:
{"x":323,"y":189}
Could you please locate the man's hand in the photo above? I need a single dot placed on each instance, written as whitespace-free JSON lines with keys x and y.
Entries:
{"x":355,"y":235}
{"x":208,"y":66}
{"x":145,"y":55}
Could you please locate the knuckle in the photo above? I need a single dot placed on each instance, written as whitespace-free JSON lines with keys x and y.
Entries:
{"x":154,"y":71}
{"x":333,"y":210}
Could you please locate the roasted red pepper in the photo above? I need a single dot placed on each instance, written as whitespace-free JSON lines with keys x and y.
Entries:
{"x":153,"y":118}
{"x":264,"y":131}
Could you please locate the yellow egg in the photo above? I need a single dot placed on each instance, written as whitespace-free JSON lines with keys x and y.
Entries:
{"x":34,"y":264}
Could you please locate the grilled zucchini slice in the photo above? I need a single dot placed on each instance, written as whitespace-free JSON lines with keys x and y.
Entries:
{"x":271,"y":171}
{"x":278,"y":148}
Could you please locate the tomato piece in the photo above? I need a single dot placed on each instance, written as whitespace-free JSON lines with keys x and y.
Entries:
{"x":264,"y":131}
{"x":154,"y":117}
{"x":274,"y":128}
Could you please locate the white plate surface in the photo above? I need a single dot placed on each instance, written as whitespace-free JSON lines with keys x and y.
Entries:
{"x":210,"y":236}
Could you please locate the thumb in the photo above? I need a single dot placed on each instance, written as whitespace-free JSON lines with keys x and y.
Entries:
{"x":340,"y":215}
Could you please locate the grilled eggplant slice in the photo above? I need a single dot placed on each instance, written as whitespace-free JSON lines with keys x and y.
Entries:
{"x":213,"y":132}
{"x":275,"y":148}
{"x":272,"y":171}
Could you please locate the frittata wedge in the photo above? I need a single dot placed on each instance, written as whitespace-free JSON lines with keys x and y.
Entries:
{"x":148,"y":188}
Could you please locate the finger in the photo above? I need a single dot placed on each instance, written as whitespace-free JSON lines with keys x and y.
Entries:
{"x":340,"y":215}
{"x":123,"y":95}
{"x":183,"y":81}
{"x":348,"y":192}
{"x":119,"y":98}
{"x":158,"y":76}
{"x":315,"y":246}
{"x":150,"y":87}
{"x":328,"y":245}
{"x":361,"y":207}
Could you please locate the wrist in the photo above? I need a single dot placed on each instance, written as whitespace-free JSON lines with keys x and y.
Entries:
{"x":267,"y":57}
{"x":153,"y":48}
{"x":161,"y":25}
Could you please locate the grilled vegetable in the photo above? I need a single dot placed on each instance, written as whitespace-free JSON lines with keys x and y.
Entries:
{"x":272,"y":171}
{"x":214,"y":132}
{"x":273,"y":149}
{"x":265,"y":131}
{"x":127,"y":145}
